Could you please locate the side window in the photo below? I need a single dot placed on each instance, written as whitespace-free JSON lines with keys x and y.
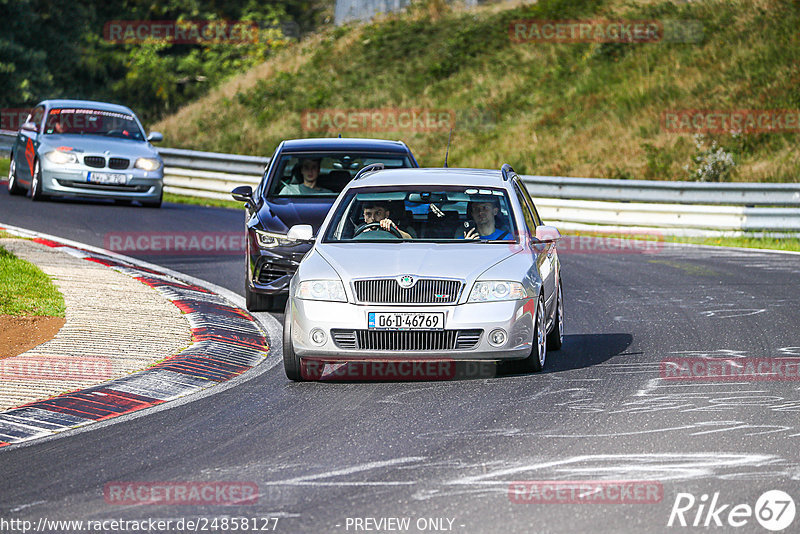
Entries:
{"x":530,"y":204}
{"x":530,"y":221}
{"x":36,"y":117}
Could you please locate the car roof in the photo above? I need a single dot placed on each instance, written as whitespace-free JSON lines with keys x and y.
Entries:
{"x":92,"y":104}
{"x":343,"y":143}
{"x":432,"y":176}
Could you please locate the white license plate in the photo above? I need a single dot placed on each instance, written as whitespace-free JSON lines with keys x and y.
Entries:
{"x":406,"y":321}
{"x":107,"y":178}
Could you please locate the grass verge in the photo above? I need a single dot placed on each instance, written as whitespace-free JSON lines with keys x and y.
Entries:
{"x":25,"y":290}
{"x":199,"y":201}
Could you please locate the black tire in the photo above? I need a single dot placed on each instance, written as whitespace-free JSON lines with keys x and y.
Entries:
{"x":13,"y":187}
{"x":36,"y":183}
{"x":155,"y":203}
{"x":536,"y":360}
{"x":556,"y":337}
{"x":257,"y":302}
{"x":291,"y":363}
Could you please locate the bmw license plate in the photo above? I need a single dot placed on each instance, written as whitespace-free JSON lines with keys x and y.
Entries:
{"x":107,"y":178}
{"x":406,"y":321}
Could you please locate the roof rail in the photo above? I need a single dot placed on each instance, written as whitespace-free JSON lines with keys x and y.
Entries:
{"x":507,"y":171}
{"x":372,"y":167}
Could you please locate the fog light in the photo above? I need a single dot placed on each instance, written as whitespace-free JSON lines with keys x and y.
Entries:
{"x":497,"y":337}
{"x":317,"y":336}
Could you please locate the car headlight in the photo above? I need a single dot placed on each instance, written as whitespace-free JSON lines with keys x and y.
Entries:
{"x":270,"y":239}
{"x":61,"y":157}
{"x":497,"y":290}
{"x":147,"y":164}
{"x":332,"y":290}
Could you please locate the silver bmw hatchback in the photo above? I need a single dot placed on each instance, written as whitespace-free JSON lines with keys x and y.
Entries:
{"x":415,"y":266}
{"x":81,"y":148}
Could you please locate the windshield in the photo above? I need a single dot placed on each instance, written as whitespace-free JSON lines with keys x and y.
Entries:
{"x":92,"y":122}
{"x":326,"y":174}
{"x":414,"y":213}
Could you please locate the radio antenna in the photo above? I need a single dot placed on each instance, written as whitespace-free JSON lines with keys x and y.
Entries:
{"x":447,"y":152}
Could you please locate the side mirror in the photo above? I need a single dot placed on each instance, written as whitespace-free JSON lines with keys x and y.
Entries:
{"x":155,"y":137}
{"x":300,"y":232}
{"x":29,"y":126}
{"x":243,"y":193}
{"x":547,"y":233}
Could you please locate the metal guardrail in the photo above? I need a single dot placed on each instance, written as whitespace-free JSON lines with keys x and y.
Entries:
{"x":6,"y":140}
{"x":209,"y":174}
{"x":747,"y":194}
{"x":675,"y":207}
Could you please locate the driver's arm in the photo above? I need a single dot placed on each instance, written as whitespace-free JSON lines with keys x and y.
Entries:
{"x":387,"y":223}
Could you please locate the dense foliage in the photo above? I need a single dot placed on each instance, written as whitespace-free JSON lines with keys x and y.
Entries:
{"x":51,"y":49}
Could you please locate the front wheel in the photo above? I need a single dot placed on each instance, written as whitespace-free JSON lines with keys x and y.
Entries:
{"x":154,"y":203}
{"x":291,"y":363}
{"x":556,"y":338}
{"x":535,"y":362}
{"x":13,"y":187}
{"x":36,"y":183}
{"x":257,"y":302}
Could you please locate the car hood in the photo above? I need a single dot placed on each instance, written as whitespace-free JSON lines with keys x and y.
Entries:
{"x":451,"y":260}
{"x":95,"y":144}
{"x":278,"y":215}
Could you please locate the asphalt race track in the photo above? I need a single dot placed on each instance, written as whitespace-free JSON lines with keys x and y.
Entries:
{"x":321,"y":453}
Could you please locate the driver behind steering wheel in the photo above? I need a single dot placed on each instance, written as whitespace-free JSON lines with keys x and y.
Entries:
{"x":378,"y":212}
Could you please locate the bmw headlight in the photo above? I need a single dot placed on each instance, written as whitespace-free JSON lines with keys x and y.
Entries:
{"x":497,"y":290}
{"x":332,"y":290}
{"x":270,"y":239}
{"x":61,"y":157}
{"x":147,"y":164}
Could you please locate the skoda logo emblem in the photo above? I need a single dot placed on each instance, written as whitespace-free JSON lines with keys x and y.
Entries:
{"x":406,"y":281}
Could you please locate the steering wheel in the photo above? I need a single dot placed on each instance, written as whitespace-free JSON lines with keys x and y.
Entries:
{"x":376,"y":225}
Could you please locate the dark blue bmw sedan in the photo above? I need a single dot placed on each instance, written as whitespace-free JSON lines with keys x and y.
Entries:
{"x":299,"y":186}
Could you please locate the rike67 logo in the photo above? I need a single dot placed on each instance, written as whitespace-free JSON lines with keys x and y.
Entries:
{"x":774,"y":510}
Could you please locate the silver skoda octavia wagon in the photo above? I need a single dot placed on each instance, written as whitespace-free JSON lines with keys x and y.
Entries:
{"x":426,"y":264}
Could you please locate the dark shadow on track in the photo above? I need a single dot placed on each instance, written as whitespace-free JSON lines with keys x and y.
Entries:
{"x":578,"y":351}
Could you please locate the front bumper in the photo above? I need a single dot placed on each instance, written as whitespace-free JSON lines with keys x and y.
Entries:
{"x":514,"y":317}
{"x":271,"y":269}
{"x":145,"y":186}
